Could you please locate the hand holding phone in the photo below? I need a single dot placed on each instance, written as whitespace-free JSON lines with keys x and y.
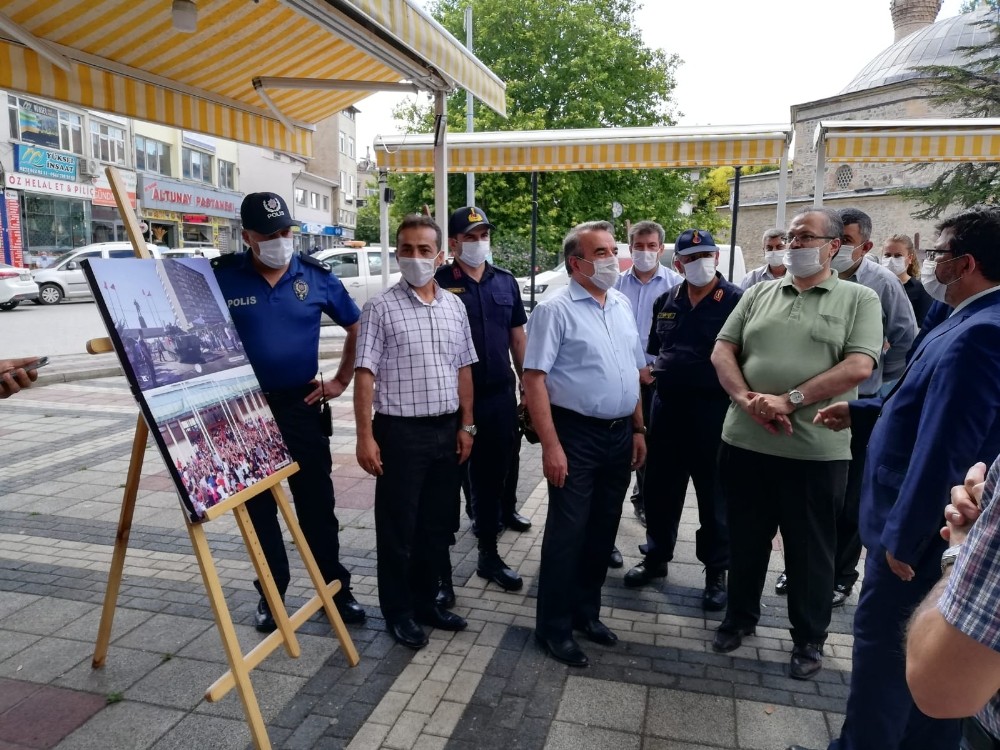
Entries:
{"x":16,"y":374}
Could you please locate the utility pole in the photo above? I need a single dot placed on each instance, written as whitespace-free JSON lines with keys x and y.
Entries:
{"x":470,"y":178}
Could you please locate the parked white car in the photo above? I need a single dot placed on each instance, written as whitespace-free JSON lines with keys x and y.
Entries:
{"x":16,"y":286}
{"x":190,"y":252}
{"x":549,"y":282}
{"x":66,"y":280}
{"x":360,"y":269}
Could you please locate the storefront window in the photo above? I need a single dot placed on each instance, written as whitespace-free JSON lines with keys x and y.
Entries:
{"x":108,"y":143}
{"x":198,"y":235}
{"x":52,"y":226}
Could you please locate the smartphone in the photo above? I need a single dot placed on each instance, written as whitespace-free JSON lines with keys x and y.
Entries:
{"x":30,"y":366}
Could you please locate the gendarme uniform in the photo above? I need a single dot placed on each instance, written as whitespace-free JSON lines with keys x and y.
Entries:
{"x":279,"y":327}
{"x":681,"y":338}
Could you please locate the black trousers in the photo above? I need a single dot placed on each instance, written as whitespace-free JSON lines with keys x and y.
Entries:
{"x":802,"y":498}
{"x":638,"y":495}
{"x":416,"y":502}
{"x":508,"y":501}
{"x":301,"y":426}
{"x":489,"y":463}
{"x":671,"y":463}
{"x":582,"y":520}
{"x":848,"y":539}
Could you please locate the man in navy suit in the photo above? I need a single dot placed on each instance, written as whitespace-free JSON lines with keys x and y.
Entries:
{"x":942,"y":417}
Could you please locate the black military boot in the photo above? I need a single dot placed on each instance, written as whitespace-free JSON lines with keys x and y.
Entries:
{"x":492,"y":568}
{"x":445,"y":597}
{"x":714,"y":598}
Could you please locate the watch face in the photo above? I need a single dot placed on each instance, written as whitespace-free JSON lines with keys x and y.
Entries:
{"x":796,"y":397}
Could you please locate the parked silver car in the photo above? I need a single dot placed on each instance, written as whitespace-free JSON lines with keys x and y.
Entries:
{"x":360,"y":269}
{"x":66,"y":280}
{"x":16,"y":286}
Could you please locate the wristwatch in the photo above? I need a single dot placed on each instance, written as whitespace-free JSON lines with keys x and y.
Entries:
{"x":640,"y":430}
{"x":796,"y":397}
{"x":948,"y":557}
{"x":470,"y":428}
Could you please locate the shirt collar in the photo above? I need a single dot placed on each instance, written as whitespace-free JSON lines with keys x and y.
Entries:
{"x":828,"y":284}
{"x":405,"y":286}
{"x":661,"y":272}
{"x":968,"y":301}
{"x":577,"y":293}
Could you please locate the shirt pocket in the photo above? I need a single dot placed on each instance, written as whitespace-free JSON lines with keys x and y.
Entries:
{"x":503,"y":299}
{"x":829,"y":329}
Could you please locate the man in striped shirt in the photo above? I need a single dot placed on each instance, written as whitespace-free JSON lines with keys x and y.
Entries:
{"x":415,"y":353}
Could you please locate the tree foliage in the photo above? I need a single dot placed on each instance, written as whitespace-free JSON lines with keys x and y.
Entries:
{"x":366,"y":228}
{"x":567,"y":64}
{"x":972,"y":88}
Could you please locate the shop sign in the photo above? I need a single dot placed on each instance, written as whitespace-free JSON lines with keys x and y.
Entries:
{"x":170,"y":195}
{"x":13,"y":247}
{"x":98,"y":192}
{"x":44,"y":163}
{"x":38,"y":123}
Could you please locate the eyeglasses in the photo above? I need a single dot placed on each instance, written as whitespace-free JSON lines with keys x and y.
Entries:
{"x":806,"y":238}
{"x":934,"y":256}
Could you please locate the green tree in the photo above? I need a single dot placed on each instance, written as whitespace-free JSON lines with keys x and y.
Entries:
{"x":567,"y":64}
{"x":366,"y":228}
{"x":973,"y":89}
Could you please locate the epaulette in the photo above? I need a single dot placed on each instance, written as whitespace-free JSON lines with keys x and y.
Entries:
{"x":311,"y":261}
{"x":227,"y":261}
{"x":503,"y":270}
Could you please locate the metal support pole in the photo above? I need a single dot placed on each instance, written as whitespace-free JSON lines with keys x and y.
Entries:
{"x":441,"y":161}
{"x":736,"y":213}
{"x":820,"y":172}
{"x":470,"y":178}
{"x":534,"y":234}
{"x":383,"y":224}
{"x":779,"y":219}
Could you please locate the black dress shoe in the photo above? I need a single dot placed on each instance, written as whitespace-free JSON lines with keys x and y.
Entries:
{"x":726,"y":639}
{"x":781,"y":585}
{"x":566,"y":650}
{"x":493,"y":568}
{"x":616,"y":560}
{"x":645,"y":572}
{"x":516,"y":522}
{"x":445,"y":596}
{"x":440,"y":618}
{"x":263,"y":620}
{"x":597,"y":631}
{"x":840,"y":594}
{"x":714,"y":598}
{"x":407,"y":633}
{"x":806,"y":661}
{"x":350,"y":611}
{"x":797,"y":747}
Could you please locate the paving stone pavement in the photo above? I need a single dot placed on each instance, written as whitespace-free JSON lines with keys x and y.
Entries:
{"x":65,"y":453}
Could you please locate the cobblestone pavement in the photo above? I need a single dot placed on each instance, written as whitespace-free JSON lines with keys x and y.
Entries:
{"x":65,"y":449}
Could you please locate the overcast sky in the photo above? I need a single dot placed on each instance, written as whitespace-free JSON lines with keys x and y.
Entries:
{"x":743,"y":62}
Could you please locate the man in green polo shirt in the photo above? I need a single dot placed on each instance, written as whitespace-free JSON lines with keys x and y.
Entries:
{"x":791,"y":347}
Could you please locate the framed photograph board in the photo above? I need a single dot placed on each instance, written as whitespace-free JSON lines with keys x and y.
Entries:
{"x":171,"y":329}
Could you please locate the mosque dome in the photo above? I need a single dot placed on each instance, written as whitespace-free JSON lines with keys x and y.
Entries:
{"x":936,"y":44}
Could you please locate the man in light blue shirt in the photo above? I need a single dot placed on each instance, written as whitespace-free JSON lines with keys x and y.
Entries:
{"x":581,"y":382}
{"x":643,"y":283}
{"x":773,"y":243}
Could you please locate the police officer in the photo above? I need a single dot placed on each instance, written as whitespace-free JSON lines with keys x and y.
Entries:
{"x":684,"y":441}
{"x":276,"y":298}
{"x":497,"y":318}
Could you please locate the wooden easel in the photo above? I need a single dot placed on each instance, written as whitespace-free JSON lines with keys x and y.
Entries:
{"x":240,"y":665}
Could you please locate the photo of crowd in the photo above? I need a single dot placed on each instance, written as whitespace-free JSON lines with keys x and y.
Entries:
{"x":218,"y":437}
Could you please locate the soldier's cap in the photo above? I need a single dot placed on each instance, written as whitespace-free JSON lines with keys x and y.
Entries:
{"x":265,"y":213}
{"x":466,"y":219}
{"x":693,"y":241}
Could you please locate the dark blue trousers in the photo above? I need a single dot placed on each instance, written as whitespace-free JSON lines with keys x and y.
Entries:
{"x":312,"y":492}
{"x":582,"y":520}
{"x":489,"y":463}
{"x":881,"y":714}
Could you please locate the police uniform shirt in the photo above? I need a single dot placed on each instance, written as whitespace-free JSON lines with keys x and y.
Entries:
{"x":494,"y":308}
{"x":280,"y":325}
{"x":682,"y":337}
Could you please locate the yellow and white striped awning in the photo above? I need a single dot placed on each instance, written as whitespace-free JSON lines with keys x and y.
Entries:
{"x":124,"y":56}
{"x":598,"y":148}
{"x":910,"y":141}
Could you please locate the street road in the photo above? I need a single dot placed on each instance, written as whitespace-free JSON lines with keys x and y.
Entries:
{"x":31,"y":329}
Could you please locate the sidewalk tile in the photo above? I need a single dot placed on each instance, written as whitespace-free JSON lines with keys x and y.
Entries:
{"x":575,"y":737}
{"x":135,"y":726}
{"x":602,"y":703}
{"x":762,"y":726}
{"x":678,"y":715}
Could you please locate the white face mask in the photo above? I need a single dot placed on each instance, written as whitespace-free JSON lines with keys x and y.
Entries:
{"x":475,"y":253}
{"x":895,"y":264}
{"x":275,"y":253}
{"x":645,"y":260}
{"x":843,"y":260}
{"x":417,"y":271}
{"x":928,"y":277}
{"x":774,"y":258}
{"x":803,"y":262}
{"x":700,"y":272}
{"x":605,"y":272}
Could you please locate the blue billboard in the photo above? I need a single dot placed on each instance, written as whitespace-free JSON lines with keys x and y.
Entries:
{"x":44,"y":163}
